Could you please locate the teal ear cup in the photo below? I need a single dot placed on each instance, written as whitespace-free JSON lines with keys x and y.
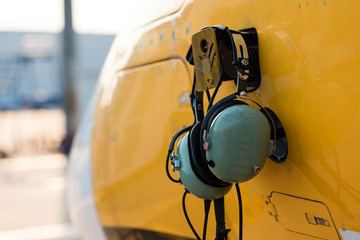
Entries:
{"x":237,"y":143}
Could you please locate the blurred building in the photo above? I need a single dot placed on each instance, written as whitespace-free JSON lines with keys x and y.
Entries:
{"x":30,"y":78}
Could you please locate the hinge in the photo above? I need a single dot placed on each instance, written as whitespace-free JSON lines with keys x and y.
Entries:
{"x":271,"y":209}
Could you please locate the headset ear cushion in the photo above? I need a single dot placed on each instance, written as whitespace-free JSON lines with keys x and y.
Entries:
{"x":198,"y":164}
{"x":281,"y":151}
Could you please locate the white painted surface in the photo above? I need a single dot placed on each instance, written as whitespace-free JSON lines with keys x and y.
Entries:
{"x":349,"y":235}
{"x":50,"y":232}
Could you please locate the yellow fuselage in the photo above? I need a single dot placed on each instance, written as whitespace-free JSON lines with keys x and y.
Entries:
{"x":309,"y":59}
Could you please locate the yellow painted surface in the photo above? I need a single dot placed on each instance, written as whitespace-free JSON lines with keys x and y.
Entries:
{"x":303,"y":216}
{"x":309,"y":59}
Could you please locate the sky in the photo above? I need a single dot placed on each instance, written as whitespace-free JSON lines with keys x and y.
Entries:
{"x":89,"y":16}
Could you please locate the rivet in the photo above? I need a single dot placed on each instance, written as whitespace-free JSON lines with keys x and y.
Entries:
{"x":256,"y":169}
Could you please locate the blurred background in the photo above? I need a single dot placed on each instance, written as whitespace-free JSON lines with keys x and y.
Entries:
{"x":51,"y":54}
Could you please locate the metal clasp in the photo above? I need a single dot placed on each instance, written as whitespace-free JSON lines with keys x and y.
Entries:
{"x":175,"y":162}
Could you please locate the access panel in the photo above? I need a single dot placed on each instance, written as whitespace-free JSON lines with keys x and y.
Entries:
{"x":303,"y":216}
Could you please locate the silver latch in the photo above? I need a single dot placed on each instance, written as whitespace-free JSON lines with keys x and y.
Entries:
{"x":175,"y":162}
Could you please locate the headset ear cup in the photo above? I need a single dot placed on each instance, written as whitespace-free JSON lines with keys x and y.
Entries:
{"x":190,"y":180}
{"x":238,"y":140}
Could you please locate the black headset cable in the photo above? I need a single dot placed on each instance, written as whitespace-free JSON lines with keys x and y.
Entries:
{"x":208,"y":95}
{"x":207,"y":204}
{"x":216,"y":88}
{"x":187,"y":217}
{"x":240,"y":211}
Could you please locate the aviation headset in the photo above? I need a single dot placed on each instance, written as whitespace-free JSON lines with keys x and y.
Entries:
{"x":230,"y":143}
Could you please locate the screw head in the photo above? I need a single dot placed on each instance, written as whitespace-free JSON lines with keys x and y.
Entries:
{"x":256,"y":169}
{"x":245,"y":62}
